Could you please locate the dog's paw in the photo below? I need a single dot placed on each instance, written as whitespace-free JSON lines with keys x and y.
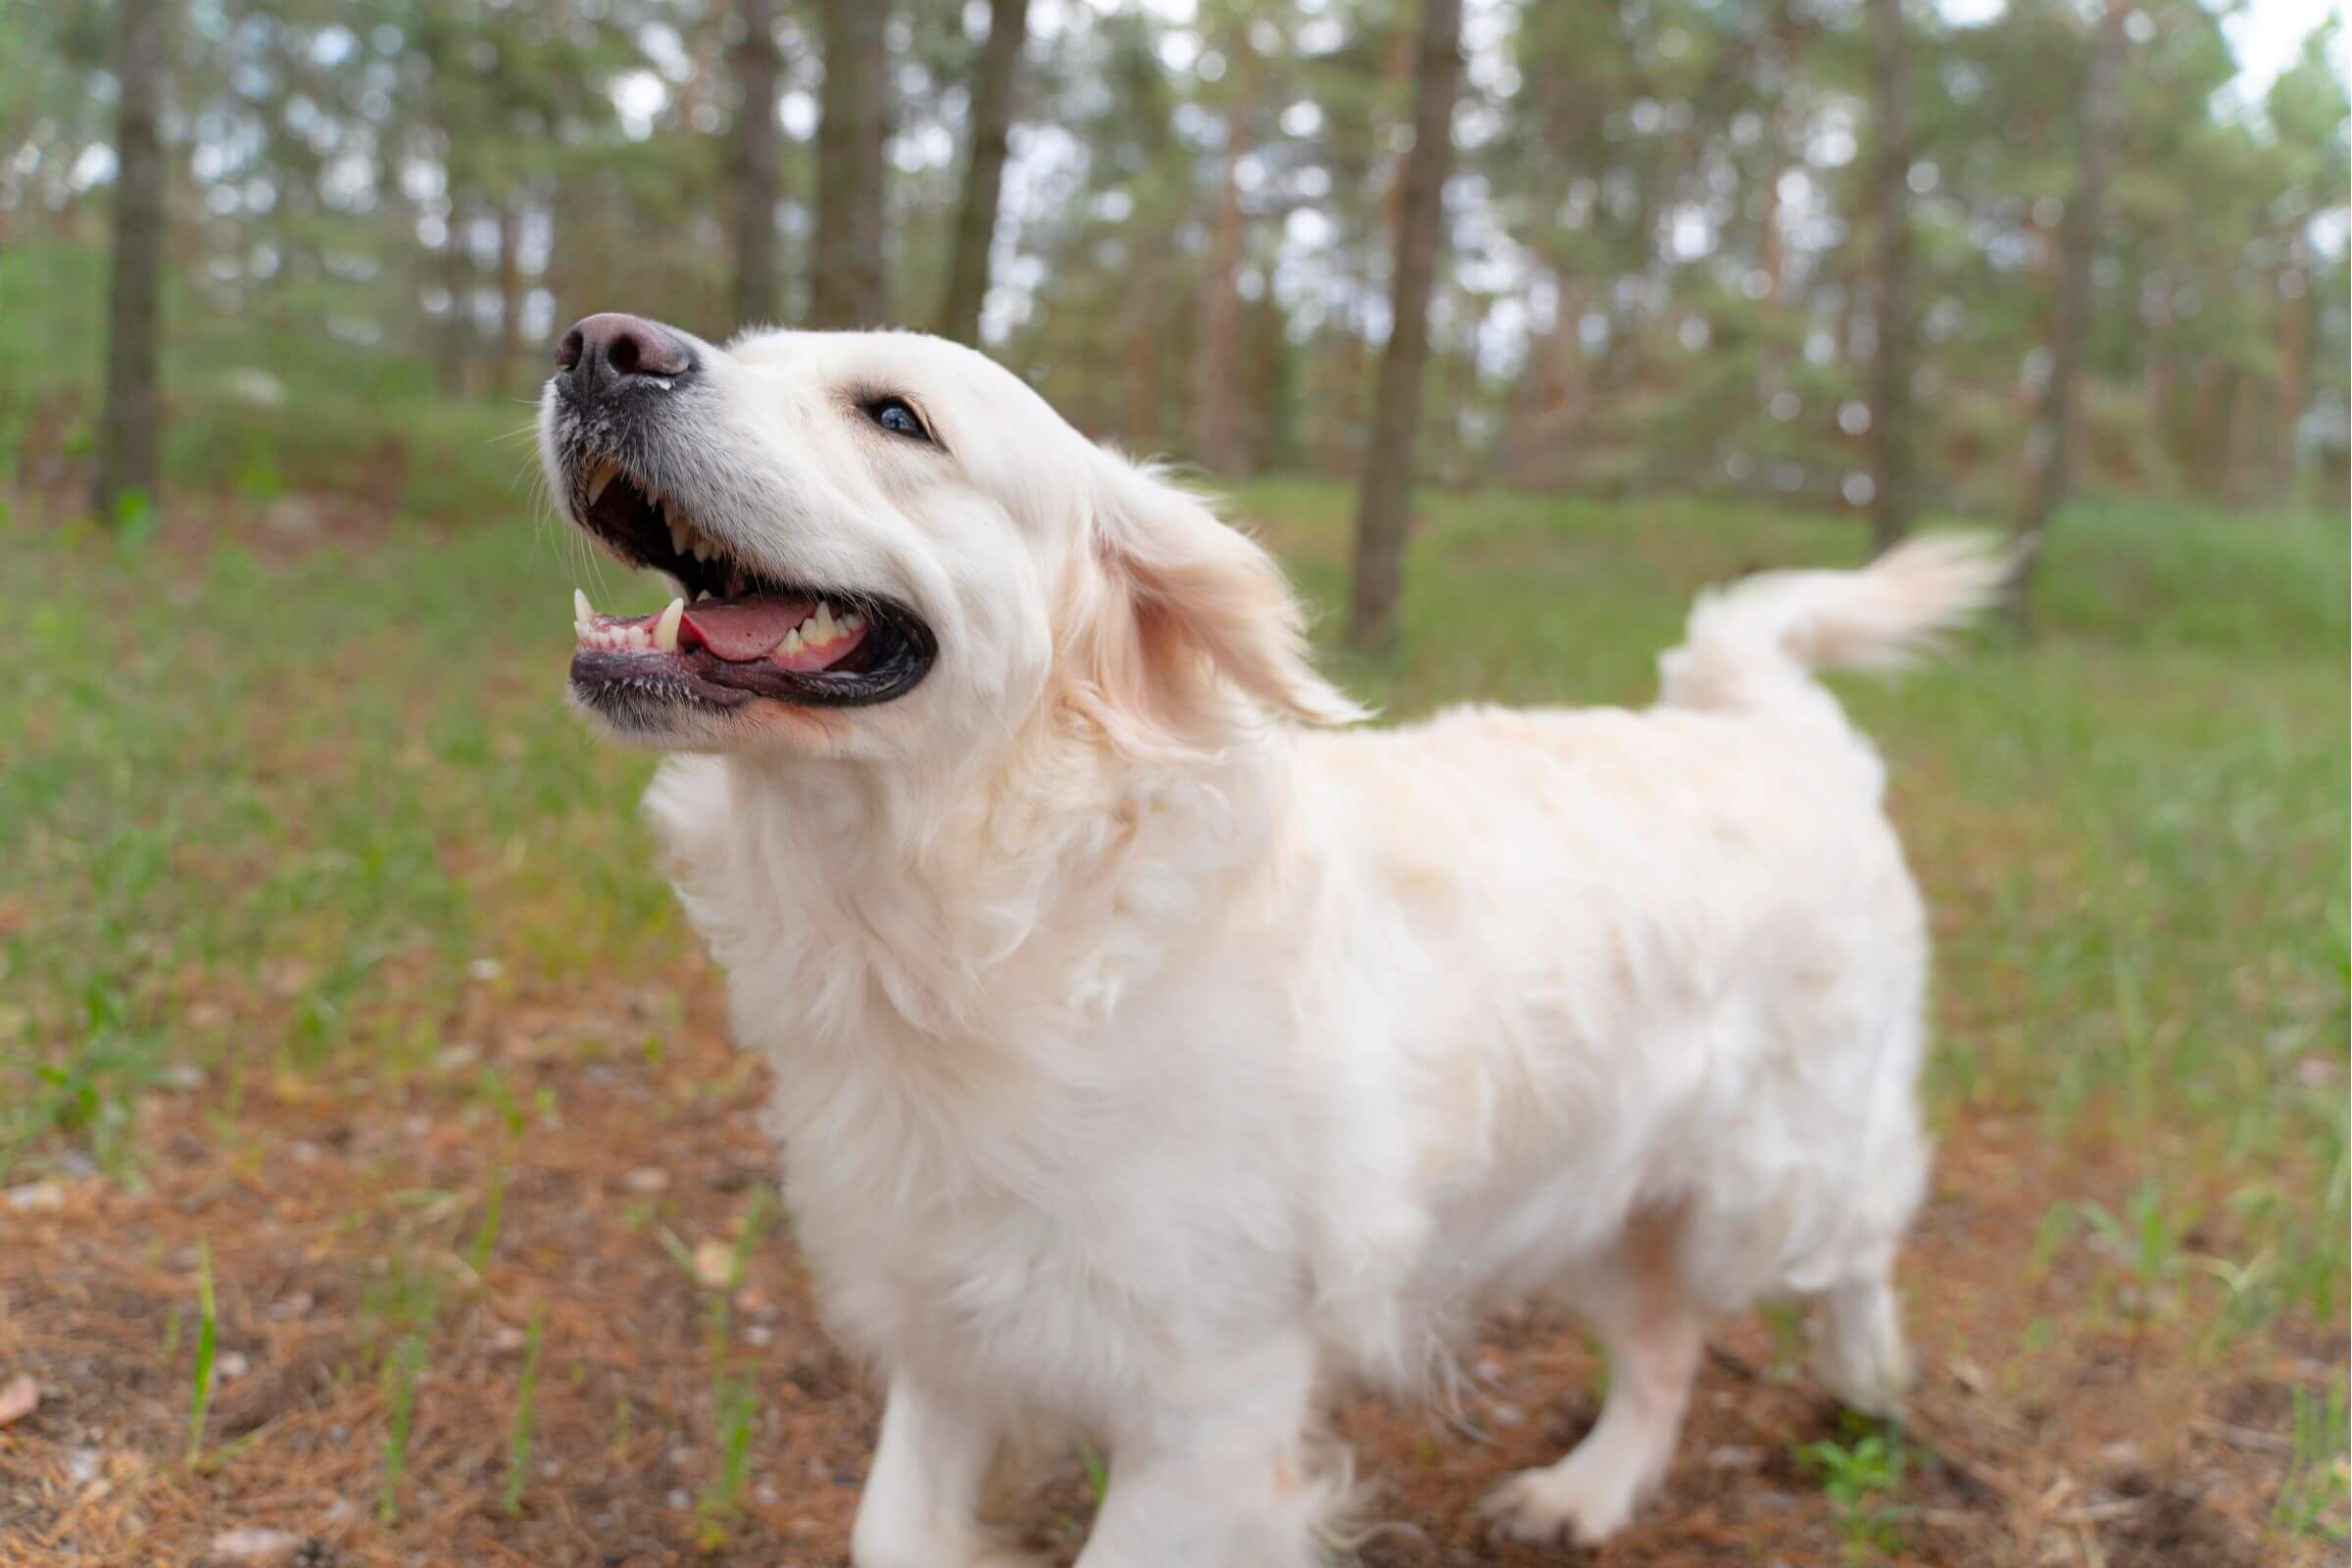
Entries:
{"x":1566,"y":1502}
{"x":985,"y":1557}
{"x":941,"y":1554}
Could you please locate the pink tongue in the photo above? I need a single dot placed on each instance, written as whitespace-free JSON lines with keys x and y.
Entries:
{"x":740,"y":630}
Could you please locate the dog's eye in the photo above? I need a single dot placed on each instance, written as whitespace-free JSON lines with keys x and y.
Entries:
{"x":896,"y":417}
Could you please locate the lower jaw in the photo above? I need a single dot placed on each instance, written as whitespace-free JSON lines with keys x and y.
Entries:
{"x":702,"y":679}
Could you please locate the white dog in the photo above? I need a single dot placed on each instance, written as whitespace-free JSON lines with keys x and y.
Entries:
{"x":1147,"y":1061}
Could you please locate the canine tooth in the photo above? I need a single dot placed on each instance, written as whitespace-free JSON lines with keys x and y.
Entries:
{"x":824,"y":630}
{"x":666,"y":630}
{"x":606,"y":473}
{"x":581,"y":609}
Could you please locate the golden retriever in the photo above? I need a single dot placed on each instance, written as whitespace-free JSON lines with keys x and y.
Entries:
{"x":1154,"y":1051}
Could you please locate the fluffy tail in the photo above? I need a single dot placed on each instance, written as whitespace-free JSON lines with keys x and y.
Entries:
{"x":1755,"y":644}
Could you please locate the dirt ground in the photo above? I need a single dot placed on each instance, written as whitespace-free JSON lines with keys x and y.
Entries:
{"x":534,"y":1302}
{"x":2054,"y":1424}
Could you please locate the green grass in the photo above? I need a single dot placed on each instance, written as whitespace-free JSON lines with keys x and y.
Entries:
{"x":2311,"y":1501}
{"x":1863,"y":1480}
{"x":272,"y":817}
{"x":519,"y":1432}
{"x":208,"y":1340}
{"x":343,"y":417}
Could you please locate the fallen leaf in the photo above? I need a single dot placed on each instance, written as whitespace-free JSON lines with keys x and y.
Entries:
{"x":18,"y":1399}
{"x":715,"y":1265}
{"x":253,"y":1544}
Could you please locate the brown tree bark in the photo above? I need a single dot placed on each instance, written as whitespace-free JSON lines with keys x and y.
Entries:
{"x":510,"y":294}
{"x":2295,"y":364}
{"x":130,"y":426}
{"x":993,"y":83}
{"x":1385,"y":498}
{"x":1217,"y":362}
{"x":845,"y":286}
{"x":1891,"y":455}
{"x":753,"y":300}
{"x":1772,"y":245}
{"x":450,"y":370}
{"x":2049,"y":446}
{"x":1143,"y":352}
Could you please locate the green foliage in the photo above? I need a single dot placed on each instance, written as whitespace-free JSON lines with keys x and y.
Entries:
{"x":406,"y":1368}
{"x":1863,"y":1479}
{"x":208,"y":1340}
{"x":519,"y":1432}
{"x":2147,"y":1239}
{"x":735,"y":1401}
{"x":405,"y":1305}
{"x":1664,"y":283}
{"x":2314,"y":1498}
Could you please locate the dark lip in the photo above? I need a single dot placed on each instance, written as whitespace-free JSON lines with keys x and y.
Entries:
{"x":903,"y":652}
{"x":900,"y":647}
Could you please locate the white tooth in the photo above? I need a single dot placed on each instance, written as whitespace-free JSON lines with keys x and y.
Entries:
{"x":703,"y":548}
{"x":679,"y":535}
{"x":705,"y":594}
{"x":666,"y":630}
{"x":605,"y":474}
{"x":826,"y":630}
{"x":852,"y":622}
{"x":792,"y":641}
{"x":581,"y":609}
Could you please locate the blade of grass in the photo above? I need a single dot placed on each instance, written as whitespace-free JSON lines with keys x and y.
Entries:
{"x":518,"y":1437}
{"x":208,"y":1339}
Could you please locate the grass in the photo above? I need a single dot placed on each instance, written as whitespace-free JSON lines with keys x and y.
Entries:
{"x":1863,"y":1480}
{"x":519,"y":1432}
{"x":2312,"y":1500}
{"x":313,"y":824}
{"x":208,"y":1340}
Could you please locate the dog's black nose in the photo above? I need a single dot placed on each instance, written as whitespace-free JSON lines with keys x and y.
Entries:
{"x":603,"y":355}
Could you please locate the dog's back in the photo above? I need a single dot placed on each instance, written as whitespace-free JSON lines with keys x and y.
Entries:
{"x":1657,"y":981}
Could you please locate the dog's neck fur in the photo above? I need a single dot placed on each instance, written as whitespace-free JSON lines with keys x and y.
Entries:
{"x":879,"y":903}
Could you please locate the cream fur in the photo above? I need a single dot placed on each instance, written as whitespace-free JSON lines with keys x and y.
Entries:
{"x":1146,"y":1063}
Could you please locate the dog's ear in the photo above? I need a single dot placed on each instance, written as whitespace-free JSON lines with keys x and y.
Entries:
{"x":1181,"y":613}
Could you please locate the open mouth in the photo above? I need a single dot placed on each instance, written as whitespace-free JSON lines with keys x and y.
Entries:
{"x":732,"y":636}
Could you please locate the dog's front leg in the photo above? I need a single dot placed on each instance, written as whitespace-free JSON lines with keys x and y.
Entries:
{"x":1221,"y":1478}
{"x":922,"y":1498}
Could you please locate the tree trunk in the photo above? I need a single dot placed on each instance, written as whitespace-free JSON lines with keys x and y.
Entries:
{"x":510,"y":294}
{"x":1385,"y":498}
{"x":846,"y":289}
{"x":2294,"y":363}
{"x":130,"y":426}
{"x":1143,"y":350}
{"x":757,"y":67}
{"x":992,"y":101}
{"x":1772,"y":250}
{"x":1891,"y":446}
{"x":1772,"y":245}
{"x":1215,"y":363}
{"x":2049,"y":447}
{"x":451,"y":373}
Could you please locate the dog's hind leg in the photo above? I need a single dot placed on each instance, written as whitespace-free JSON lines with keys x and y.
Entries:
{"x":1858,"y":1351}
{"x":1653,"y":1333}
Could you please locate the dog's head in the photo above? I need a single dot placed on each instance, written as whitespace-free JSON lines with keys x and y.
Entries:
{"x":881,"y":543}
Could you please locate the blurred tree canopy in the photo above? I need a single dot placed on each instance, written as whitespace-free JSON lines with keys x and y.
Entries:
{"x":1662,"y":221}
